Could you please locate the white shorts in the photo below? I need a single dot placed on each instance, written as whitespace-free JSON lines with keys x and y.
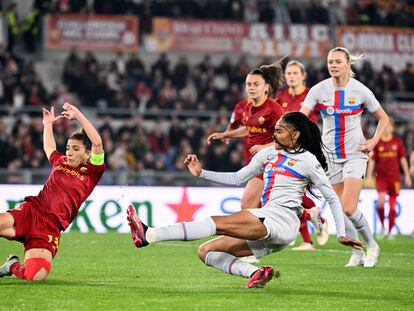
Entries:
{"x":350,"y":168}
{"x":282,"y":226}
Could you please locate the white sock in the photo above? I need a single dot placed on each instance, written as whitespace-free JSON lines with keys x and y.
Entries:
{"x":352,"y":233}
{"x":361,"y":224}
{"x":230,"y":264}
{"x":183,"y":231}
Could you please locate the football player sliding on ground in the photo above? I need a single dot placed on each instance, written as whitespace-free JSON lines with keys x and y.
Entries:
{"x":294,"y":163}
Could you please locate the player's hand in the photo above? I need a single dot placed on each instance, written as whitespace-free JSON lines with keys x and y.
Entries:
{"x":215,"y":136}
{"x":49,"y":116}
{"x":407,"y":181}
{"x":369,"y":182}
{"x":368,"y":145}
{"x":70,"y":111}
{"x":193,"y":164}
{"x":344,"y":240}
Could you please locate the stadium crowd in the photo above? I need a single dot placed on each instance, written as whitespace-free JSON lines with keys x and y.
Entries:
{"x":128,"y":82}
{"x":396,"y":13}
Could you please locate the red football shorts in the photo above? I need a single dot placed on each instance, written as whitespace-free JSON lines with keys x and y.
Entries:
{"x":35,"y":228}
{"x":307,"y":202}
{"x":392,"y":187}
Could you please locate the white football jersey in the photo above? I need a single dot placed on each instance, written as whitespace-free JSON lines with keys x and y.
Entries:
{"x":341,"y":109}
{"x":285,"y":176}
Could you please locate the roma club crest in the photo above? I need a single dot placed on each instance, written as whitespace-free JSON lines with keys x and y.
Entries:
{"x":261,"y":120}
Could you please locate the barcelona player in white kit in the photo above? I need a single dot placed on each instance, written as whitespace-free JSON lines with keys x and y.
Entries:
{"x":341,"y":100}
{"x":295,"y":162}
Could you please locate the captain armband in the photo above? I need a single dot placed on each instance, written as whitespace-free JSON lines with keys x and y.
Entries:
{"x":97,"y":159}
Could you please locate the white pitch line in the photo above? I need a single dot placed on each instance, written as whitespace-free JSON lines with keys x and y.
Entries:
{"x":337,"y":251}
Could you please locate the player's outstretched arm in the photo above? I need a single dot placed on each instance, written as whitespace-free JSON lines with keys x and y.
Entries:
{"x":71,"y":112}
{"x":193,"y":164}
{"x":49,"y":143}
{"x":237,"y":133}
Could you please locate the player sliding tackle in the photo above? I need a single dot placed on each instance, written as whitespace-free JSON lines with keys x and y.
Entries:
{"x":291,"y":165}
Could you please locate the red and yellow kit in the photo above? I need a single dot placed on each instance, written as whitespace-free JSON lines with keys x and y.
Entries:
{"x":40,"y":218}
{"x":260,"y":120}
{"x":387,"y":155}
{"x":290,"y":102}
{"x":236,"y":121}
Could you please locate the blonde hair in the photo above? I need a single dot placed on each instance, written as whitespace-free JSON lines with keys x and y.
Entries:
{"x":353,"y":59}
{"x":297,"y":63}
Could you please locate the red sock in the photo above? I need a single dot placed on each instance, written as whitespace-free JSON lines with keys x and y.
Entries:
{"x":380,"y":211}
{"x":30,"y":268}
{"x":392,"y":214}
{"x":305,"y":216}
{"x":304,"y":232}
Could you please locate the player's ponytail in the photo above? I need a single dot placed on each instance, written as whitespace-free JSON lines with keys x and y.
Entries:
{"x":310,"y":136}
{"x":81,"y":135}
{"x":272,"y":74}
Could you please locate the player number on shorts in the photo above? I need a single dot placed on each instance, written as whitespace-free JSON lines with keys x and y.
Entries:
{"x":54,"y":240}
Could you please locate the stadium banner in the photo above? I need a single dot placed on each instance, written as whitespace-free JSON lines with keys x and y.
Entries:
{"x":92,"y":32}
{"x":105,"y":209}
{"x":195,"y":36}
{"x":295,"y":40}
{"x":393,"y":47}
{"x":237,"y":37}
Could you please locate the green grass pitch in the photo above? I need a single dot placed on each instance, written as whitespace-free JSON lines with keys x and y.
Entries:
{"x":106,"y":272}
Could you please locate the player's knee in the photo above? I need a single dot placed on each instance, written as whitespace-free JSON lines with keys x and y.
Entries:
{"x":202,"y":251}
{"x":381,"y":202}
{"x":349,"y":211}
{"x":36,"y":269}
{"x":41,"y":275}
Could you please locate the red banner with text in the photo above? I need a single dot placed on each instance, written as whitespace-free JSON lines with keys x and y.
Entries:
{"x":92,"y":32}
{"x":393,"y":47}
{"x":238,"y":37}
{"x":296,"y":40}
{"x":195,"y":36}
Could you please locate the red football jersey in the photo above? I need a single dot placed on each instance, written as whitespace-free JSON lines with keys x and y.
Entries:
{"x":238,"y":114}
{"x":387,"y":155}
{"x":291,"y":102}
{"x":66,"y":188}
{"x":236,"y":120}
{"x":261,"y":120}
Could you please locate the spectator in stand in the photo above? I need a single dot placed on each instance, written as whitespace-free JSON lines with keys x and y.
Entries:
{"x":408,"y":77}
